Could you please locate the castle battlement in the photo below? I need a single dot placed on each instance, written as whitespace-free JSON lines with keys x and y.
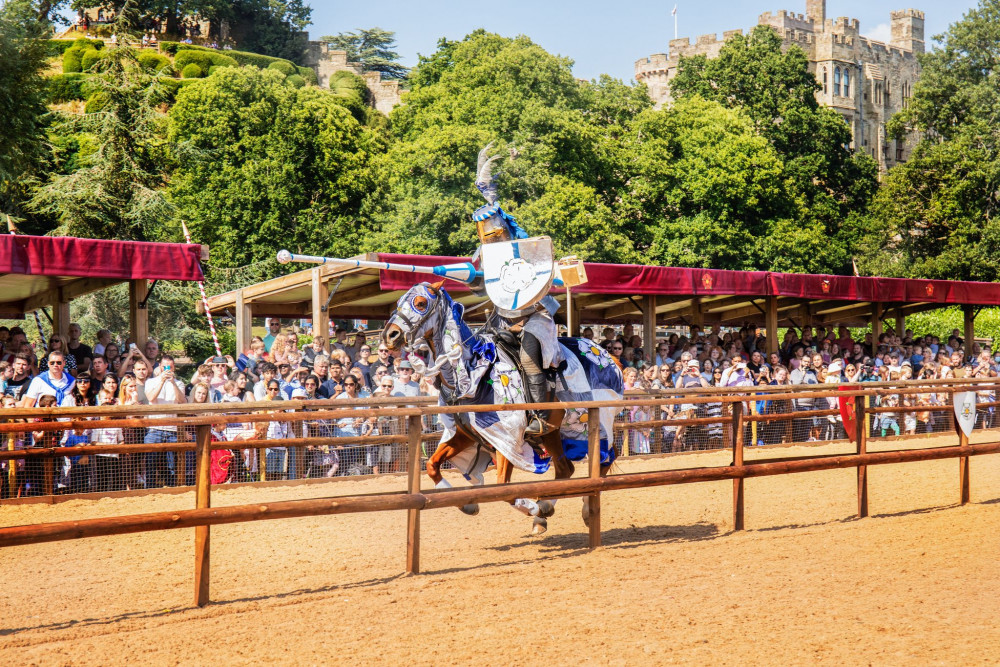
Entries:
{"x":864,"y":80}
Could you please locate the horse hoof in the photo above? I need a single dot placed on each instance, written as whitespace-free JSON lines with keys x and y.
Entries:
{"x":539,"y":526}
{"x":586,"y":512}
{"x":546,"y":508}
{"x":471,"y":509}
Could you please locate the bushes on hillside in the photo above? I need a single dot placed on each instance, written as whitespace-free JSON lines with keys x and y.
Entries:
{"x":71,"y":60}
{"x":173,"y":86}
{"x":67,"y":87}
{"x":58,"y":47}
{"x":192,"y":71}
{"x":285,"y":67}
{"x":89,"y":59}
{"x":203,"y":59}
{"x":295,"y":81}
{"x":155,"y":63}
{"x":309,"y":74}
{"x":240,"y":57}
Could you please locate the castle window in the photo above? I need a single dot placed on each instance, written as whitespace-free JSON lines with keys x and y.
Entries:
{"x":836,"y":81}
{"x":824,"y":80}
{"x":847,"y":82}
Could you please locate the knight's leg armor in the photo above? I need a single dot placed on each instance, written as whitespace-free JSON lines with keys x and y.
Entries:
{"x":537,"y":388}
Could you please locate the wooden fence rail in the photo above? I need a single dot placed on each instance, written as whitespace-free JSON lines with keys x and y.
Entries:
{"x":414,"y":499}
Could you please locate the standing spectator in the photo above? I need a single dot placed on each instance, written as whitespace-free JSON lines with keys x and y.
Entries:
{"x":103,"y":339}
{"x":53,"y":382}
{"x":349,"y":427}
{"x":805,"y":428}
{"x":56,"y":342}
{"x":313,"y":350}
{"x":98,"y":371}
{"x":108,"y":470}
{"x":405,"y":386}
{"x":384,"y":359}
{"x":333,"y":386}
{"x":273,"y":328}
{"x":82,"y":354}
{"x":355,"y":346}
{"x":268,"y":372}
{"x":164,"y":389}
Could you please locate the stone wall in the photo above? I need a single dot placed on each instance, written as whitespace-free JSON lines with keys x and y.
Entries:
{"x":327,"y":62}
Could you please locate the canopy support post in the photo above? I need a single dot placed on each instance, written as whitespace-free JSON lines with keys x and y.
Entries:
{"x":969,"y":318}
{"x":771,"y":324}
{"x":320,"y":312}
{"x":649,"y":328}
{"x":138,"y":316}
{"x":244,"y":324}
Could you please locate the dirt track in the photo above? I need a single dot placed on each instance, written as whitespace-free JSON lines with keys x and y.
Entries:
{"x":918,"y":582}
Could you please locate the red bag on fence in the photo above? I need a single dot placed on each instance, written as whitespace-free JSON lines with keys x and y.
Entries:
{"x":219,"y":470}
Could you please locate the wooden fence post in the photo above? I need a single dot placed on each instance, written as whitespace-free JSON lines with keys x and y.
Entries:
{"x":594,"y":461}
{"x":203,"y":490}
{"x":49,"y":480}
{"x":861,"y":440}
{"x":11,"y":469}
{"x":414,"y":430}
{"x":963,"y":469}
{"x":737,"y":461}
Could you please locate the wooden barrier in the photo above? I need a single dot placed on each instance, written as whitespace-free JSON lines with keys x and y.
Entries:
{"x":414,"y":500}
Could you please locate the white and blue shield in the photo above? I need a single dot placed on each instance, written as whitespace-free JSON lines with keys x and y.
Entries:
{"x":965,"y":410}
{"x":517,"y":274}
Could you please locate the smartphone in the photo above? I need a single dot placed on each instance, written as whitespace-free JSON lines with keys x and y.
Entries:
{"x":166,"y":368}
{"x":132,"y":346}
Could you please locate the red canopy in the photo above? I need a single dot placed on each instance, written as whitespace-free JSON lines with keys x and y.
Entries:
{"x":633,"y":279}
{"x":95,"y":258}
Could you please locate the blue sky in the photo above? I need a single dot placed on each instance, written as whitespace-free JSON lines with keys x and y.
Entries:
{"x":598,"y":35}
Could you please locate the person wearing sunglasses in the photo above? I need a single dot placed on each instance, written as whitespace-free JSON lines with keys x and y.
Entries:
{"x":53,"y":382}
{"x":351,"y":456}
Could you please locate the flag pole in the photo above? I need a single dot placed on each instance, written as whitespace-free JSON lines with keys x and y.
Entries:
{"x":204,"y":301}
{"x":675,"y":21}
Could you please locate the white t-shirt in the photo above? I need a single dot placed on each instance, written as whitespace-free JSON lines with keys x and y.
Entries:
{"x":167,"y":396}
{"x":39,"y":387}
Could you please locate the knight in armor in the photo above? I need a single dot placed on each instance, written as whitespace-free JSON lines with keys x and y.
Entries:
{"x":532,"y":325}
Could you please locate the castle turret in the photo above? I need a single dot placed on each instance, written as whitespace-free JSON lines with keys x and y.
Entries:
{"x":908,"y":30}
{"x":816,"y":10}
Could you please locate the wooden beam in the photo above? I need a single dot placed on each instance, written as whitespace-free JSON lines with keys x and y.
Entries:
{"x":627,"y":308}
{"x":266,"y":309}
{"x":876,"y":320}
{"x":344,"y":297}
{"x":969,"y":321}
{"x":320,"y":314}
{"x":60,"y":318}
{"x":771,"y":324}
{"x":649,"y":327}
{"x":138,"y":318}
{"x":244,"y":324}
{"x":68,"y":292}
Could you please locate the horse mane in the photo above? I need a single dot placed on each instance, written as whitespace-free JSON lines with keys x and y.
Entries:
{"x":457,"y":311}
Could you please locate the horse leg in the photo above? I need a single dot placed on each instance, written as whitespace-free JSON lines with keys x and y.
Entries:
{"x":445,"y":451}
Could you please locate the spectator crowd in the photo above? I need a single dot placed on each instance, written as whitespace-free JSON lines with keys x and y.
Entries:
{"x":281,"y":368}
{"x":276,"y":368}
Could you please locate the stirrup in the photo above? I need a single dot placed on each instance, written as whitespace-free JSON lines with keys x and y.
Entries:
{"x":538,"y":426}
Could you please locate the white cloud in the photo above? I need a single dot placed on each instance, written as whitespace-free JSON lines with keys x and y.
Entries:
{"x":880,"y":33}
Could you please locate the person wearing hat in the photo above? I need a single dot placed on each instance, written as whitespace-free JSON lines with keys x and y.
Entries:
{"x":404,"y":384}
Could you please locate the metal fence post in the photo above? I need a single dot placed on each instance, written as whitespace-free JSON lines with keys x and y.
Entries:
{"x":203,"y":490}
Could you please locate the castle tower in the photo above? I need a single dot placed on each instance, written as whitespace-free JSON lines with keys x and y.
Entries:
{"x":908,"y":29}
{"x":816,"y":10}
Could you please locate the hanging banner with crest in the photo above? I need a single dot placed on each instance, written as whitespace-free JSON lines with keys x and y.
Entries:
{"x":965,"y":410}
{"x":847,"y":413}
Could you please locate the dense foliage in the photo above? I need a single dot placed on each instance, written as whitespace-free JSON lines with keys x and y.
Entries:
{"x":374,"y":48}
{"x":937,"y":214}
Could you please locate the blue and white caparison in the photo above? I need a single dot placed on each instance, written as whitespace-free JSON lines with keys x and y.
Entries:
{"x":475,"y":371}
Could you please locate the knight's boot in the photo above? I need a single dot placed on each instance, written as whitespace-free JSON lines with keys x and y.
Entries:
{"x":538,"y":392}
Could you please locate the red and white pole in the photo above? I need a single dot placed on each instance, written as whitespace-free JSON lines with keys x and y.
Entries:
{"x":204,"y":300}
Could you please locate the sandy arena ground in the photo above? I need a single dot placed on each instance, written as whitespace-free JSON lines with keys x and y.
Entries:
{"x":917,"y":583}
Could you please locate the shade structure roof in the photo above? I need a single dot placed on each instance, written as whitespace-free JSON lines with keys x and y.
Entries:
{"x":36,"y":271}
{"x":623,"y":293}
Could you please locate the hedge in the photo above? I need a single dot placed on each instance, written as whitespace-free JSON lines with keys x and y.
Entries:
{"x":71,"y":60}
{"x":295,"y":81}
{"x":203,"y":59}
{"x":66,"y":87}
{"x":89,"y":59}
{"x":285,"y":67}
{"x":172,"y":86}
{"x":155,"y":63}
{"x":192,"y":71}
{"x":58,"y":47}
{"x":241,"y":57}
{"x":309,"y":74}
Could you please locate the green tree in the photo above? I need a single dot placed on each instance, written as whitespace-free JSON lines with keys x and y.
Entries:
{"x":22,"y":98}
{"x":116,"y":194}
{"x":525,"y":100}
{"x":374,"y":48}
{"x":264,"y":166}
{"x":703,"y":186}
{"x":936,"y":215}
{"x":777,"y":92}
